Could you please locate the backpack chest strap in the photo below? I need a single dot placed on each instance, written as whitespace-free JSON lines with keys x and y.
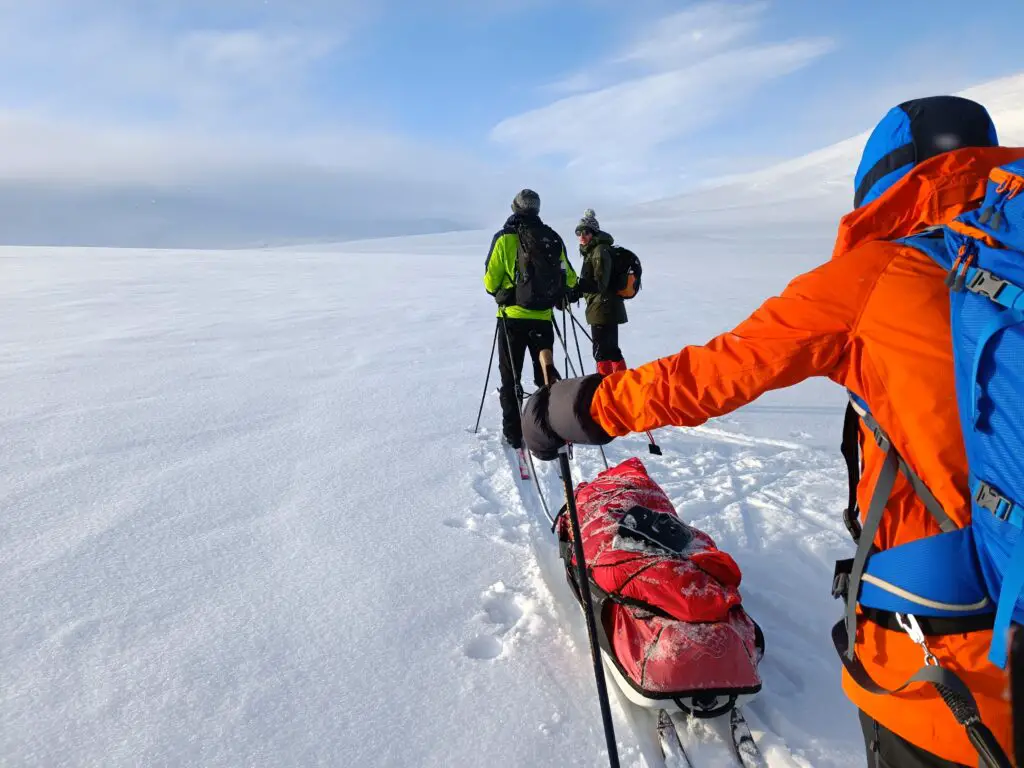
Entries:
{"x":985,"y":283}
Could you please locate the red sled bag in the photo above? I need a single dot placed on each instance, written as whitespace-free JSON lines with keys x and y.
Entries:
{"x":669,"y":616}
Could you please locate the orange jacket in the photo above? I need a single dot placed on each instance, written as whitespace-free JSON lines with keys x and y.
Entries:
{"x":874,"y":319}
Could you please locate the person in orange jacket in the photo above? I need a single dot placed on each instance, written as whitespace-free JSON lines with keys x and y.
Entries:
{"x":875,"y":320}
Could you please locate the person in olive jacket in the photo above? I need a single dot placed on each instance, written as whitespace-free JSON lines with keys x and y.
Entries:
{"x":606,"y":310}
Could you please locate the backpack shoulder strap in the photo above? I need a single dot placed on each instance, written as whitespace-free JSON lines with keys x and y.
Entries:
{"x":850,"y":448}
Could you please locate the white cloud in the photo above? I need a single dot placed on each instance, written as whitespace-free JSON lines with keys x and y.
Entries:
{"x":639,"y":114}
{"x":677,"y":40}
{"x":196,"y":122}
{"x":577,"y":82}
{"x":74,"y":182}
{"x":694,"y":67}
{"x":136,"y":64}
{"x":251,"y":52}
{"x":694,"y":33}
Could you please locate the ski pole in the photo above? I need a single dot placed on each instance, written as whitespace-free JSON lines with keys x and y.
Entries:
{"x":490,"y":364}
{"x":584,"y":583}
{"x":653,"y":447}
{"x":579,"y":354}
{"x":565,"y":335}
{"x":569,"y":367}
{"x":576,"y":338}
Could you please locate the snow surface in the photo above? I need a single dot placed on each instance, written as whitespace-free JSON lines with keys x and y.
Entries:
{"x":246,"y":520}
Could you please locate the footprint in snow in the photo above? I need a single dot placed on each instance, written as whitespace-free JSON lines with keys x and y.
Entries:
{"x":497,"y":512}
{"x":511,"y":614}
{"x":484,"y":648}
{"x":502,"y":606}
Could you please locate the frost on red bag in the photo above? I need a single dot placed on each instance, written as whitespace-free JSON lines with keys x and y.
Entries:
{"x":671,"y":618}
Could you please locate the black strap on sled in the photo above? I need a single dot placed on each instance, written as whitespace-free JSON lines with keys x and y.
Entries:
{"x":847,"y":579}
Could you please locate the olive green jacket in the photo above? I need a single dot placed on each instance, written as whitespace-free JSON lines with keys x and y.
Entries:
{"x":604,"y":305}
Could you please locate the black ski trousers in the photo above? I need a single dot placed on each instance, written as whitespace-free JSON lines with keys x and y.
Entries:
{"x":887,"y":750}
{"x":606,"y":343}
{"x":534,"y":335}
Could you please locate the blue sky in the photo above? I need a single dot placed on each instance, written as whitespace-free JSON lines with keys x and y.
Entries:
{"x":288,"y":119}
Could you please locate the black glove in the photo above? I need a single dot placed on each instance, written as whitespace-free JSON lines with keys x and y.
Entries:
{"x":571,"y":296}
{"x":505,"y":297}
{"x":559,"y":414}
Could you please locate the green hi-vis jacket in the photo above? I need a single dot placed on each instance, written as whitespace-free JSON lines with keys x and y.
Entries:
{"x":501,"y":269}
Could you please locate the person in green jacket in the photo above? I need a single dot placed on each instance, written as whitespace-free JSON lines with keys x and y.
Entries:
{"x":606,"y":310}
{"x":528,"y":274}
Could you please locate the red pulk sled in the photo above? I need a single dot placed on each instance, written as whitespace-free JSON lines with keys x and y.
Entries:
{"x":669,"y":617}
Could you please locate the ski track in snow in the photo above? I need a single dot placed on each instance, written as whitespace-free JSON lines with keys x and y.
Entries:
{"x":772,"y":504}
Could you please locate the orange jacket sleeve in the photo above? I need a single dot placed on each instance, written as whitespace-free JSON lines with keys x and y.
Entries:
{"x":804,"y":332}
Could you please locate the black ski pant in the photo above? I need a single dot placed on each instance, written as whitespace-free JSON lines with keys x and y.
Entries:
{"x":534,"y":335}
{"x":606,"y":343}
{"x":887,"y":750}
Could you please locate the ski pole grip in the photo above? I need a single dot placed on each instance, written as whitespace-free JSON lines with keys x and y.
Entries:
{"x":546,"y":364}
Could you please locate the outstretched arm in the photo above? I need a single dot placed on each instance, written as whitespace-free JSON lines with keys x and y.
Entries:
{"x":804,"y":332}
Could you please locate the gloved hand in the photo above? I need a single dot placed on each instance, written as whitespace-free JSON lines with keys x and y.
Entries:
{"x":505,"y":297}
{"x":572,"y":295}
{"x":559,"y":414}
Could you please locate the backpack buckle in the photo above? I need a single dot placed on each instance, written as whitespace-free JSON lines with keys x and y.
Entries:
{"x":841,"y":579}
{"x":986,"y":284}
{"x":880,"y":437}
{"x":989,"y":498}
{"x":852,"y":523}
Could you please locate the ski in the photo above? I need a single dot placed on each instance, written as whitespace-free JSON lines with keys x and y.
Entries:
{"x":522,"y":463}
{"x":671,"y":746}
{"x":524,"y":467}
{"x":743,"y":742}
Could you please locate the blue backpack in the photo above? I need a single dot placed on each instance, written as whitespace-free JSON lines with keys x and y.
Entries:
{"x":987,"y":312}
{"x":961,"y":579}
